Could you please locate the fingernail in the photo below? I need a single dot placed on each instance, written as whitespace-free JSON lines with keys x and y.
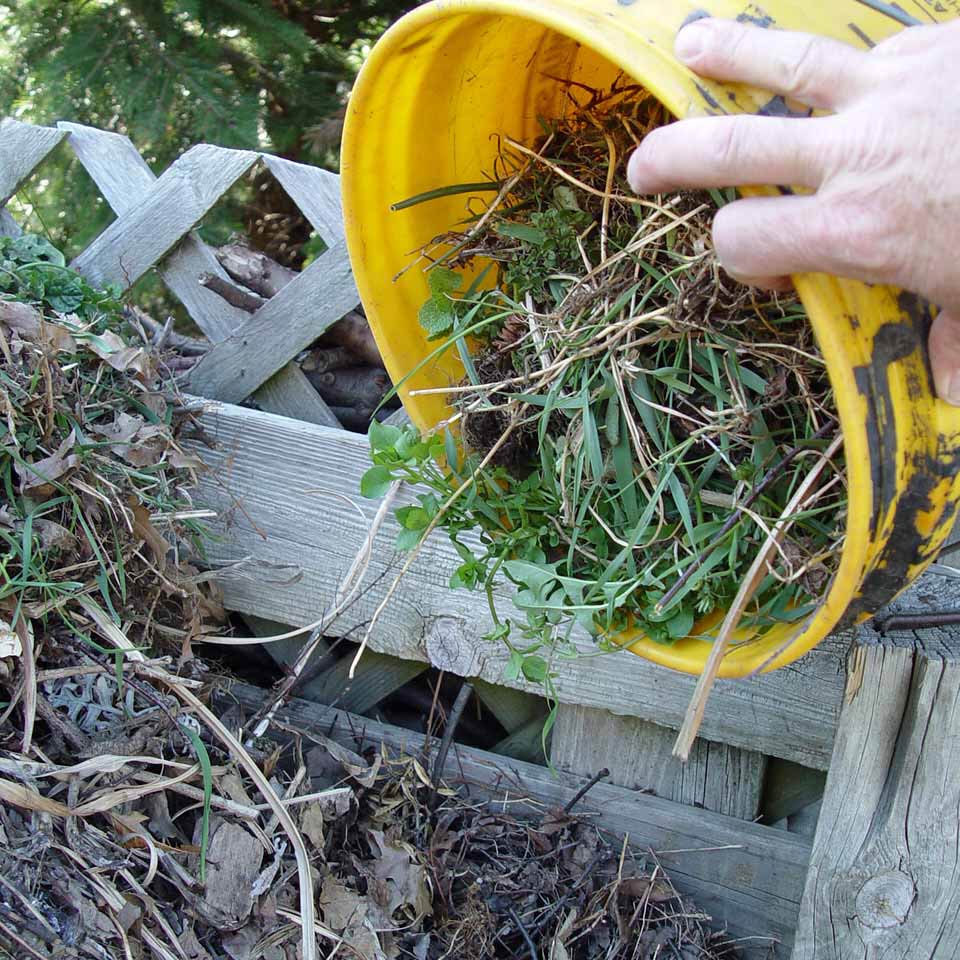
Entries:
{"x":953,"y":390}
{"x":689,"y":43}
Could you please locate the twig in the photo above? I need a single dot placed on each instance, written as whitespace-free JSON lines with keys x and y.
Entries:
{"x":450,"y":728}
{"x":188,"y":346}
{"x":531,"y":946}
{"x":346,"y":591}
{"x":582,"y":792}
{"x":768,"y":479}
{"x":919,"y":621}
{"x":309,"y":942}
{"x":756,"y":573}
{"x":13,"y":938}
{"x":29,"y":692}
{"x":235,"y":296}
{"x":161,"y":337}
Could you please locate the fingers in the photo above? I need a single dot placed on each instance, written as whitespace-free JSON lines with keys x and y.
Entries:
{"x":779,"y":236}
{"x":729,"y":152}
{"x":774,"y":284}
{"x":815,"y":70}
{"x":944,"y":349}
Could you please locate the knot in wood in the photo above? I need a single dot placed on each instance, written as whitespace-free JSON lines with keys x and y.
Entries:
{"x":885,"y":900}
{"x":450,"y":648}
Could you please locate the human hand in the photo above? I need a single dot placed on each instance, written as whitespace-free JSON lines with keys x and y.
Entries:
{"x":884,"y":165}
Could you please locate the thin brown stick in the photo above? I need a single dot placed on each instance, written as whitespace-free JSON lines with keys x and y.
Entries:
{"x":234,"y":295}
{"x":449,"y":729}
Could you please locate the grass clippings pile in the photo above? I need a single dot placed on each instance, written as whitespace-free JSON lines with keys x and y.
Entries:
{"x":94,"y":512}
{"x":633,"y":423}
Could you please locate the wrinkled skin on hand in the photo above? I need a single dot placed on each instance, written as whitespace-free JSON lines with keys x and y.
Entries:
{"x":884,"y":167}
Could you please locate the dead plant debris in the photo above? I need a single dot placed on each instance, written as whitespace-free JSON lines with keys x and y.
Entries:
{"x":134,"y":821}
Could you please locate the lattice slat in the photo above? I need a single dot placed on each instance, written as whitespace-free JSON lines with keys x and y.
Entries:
{"x":22,"y":148}
{"x":173,"y":206}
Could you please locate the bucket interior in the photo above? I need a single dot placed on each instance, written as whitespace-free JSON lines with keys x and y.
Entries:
{"x":458,"y":82}
{"x":426,"y":114}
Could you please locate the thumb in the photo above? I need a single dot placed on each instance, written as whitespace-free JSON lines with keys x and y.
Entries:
{"x":944,"y":350}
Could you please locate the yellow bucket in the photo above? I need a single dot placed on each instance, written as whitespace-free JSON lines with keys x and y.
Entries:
{"x":452,"y":73}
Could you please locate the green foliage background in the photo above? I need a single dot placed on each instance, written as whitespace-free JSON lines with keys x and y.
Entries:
{"x":258,"y":74}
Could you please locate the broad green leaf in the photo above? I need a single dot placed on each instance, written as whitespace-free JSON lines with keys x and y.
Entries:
{"x":413,"y":518}
{"x":535,"y":668}
{"x":375,"y":482}
{"x":437,"y":318}
{"x":382,"y":436}
{"x":680,"y":624}
{"x":523,"y":232}
{"x":443,"y":282}
{"x":530,"y":575}
{"x":408,"y":539}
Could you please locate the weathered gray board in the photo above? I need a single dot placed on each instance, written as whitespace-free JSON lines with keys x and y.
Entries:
{"x":288,"y":538}
{"x":884,"y":880}
{"x":130,"y":188}
{"x":747,"y":877}
{"x":22,"y":148}
{"x":639,"y":755}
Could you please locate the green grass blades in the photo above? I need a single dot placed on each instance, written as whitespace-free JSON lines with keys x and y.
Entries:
{"x":632,"y":422}
{"x":92,"y":474}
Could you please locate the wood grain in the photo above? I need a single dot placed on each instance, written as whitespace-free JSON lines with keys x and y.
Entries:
{"x":123,"y":177}
{"x":316,"y":192}
{"x":884,"y":880}
{"x":377,"y":675}
{"x":279,"y":330}
{"x":288,"y":393}
{"x":166,"y":212}
{"x":22,"y":148}
{"x":639,"y":755}
{"x":748,"y":877}
{"x":279,"y":487}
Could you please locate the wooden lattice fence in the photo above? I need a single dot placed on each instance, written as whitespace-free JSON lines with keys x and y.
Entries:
{"x":278,"y":480}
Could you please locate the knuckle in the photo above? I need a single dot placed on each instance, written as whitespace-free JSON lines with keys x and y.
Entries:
{"x":864,"y":231}
{"x":724,"y":146}
{"x":803,"y":70}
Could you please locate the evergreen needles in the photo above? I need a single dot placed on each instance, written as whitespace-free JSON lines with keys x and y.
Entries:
{"x":633,"y":423}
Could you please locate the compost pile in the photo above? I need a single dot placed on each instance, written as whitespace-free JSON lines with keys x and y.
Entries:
{"x":96,"y":524}
{"x":117,"y":846}
{"x":634,"y":423}
{"x":134,"y":821}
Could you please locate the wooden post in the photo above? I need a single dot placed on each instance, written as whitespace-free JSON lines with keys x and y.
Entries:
{"x":884,"y":879}
{"x":639,"y":755}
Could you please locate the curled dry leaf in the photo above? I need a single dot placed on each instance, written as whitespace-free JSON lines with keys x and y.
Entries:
{"x":347,"y":912}
{"x":113,"y":349}
{"x":28,"y":324}
{"x":40,"y":475}
{"x":124,"y":428}
{"x":144,"y":529}
{"x":10,"y":645}
{"x":402,"y":880}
